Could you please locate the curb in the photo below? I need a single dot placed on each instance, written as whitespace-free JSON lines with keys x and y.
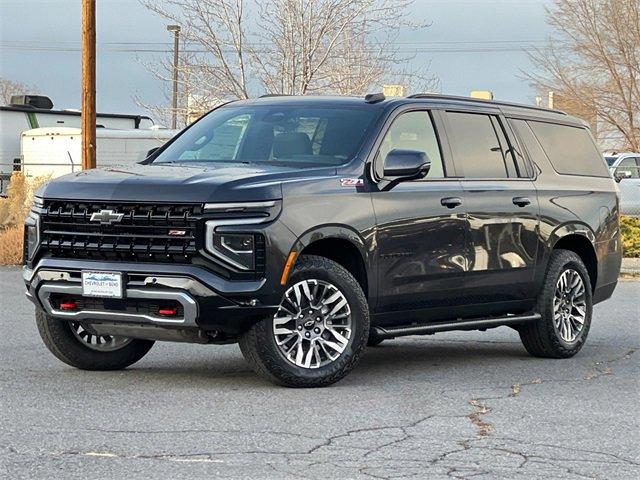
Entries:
{"x":630,"y":266}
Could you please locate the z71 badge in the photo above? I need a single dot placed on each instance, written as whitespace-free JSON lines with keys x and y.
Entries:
{"x":351,"y":182}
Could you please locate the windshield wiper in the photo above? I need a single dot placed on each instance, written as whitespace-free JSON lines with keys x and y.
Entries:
{"x":183,"y":162}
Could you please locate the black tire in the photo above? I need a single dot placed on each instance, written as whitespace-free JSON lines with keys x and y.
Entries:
{"x":542,"y":338}
{"x":258,"y":344}
{"x":62,"y":342}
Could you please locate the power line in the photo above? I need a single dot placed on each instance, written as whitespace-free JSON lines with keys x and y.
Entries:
{"x":405,"y":50}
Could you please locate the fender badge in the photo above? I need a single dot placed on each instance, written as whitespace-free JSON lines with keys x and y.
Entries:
{"x":351,"y":182}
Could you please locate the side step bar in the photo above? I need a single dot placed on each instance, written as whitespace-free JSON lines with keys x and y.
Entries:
{"x":475,"y":324}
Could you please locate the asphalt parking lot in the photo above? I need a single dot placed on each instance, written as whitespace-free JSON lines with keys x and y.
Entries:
{"x":455,"y":405}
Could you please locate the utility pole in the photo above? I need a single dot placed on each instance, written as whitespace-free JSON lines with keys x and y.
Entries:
{"x":174,"y":101}
{"x":88,"y":84}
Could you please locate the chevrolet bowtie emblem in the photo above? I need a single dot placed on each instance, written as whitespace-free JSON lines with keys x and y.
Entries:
{"x":106,"y":217}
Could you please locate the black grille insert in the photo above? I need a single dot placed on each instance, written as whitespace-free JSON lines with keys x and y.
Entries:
{"x":144,"y":232}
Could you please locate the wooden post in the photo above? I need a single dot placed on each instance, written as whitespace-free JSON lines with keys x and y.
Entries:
{"x":88,"y":84}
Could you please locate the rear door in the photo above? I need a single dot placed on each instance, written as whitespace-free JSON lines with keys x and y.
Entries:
{"x":501,"y":205}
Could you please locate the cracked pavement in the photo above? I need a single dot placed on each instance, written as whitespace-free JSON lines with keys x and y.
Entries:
{"x":460,"y":405}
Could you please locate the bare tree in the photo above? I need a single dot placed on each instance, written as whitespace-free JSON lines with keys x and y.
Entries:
{"x":297,"y":47}
{"x":344,"y":46}
{"x":9,"y":88}
{"x":594,"y":58}
{"x":215,"y":32}
{"x":194,"y":96}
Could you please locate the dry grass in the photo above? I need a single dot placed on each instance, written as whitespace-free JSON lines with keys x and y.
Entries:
{"x":13,"y":211}
{"x":11,"y":245}
{"x":15,"y":207}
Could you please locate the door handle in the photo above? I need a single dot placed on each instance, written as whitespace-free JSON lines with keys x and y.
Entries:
{"x":451,"y":202}
{"x":521,"y":201}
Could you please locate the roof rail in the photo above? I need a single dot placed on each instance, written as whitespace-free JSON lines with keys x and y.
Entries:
{"x":481,"y":100}
{"x":268,"y":95}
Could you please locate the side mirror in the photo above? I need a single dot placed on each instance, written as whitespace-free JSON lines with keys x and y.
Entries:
{"x":403,"y":164}
{"x":152,"y":151}
{"x":621,"y":175}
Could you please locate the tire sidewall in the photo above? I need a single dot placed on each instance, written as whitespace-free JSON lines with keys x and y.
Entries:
{"x":61,"y":341}
{"x":359,"y":334}
{"x":569,"y":262}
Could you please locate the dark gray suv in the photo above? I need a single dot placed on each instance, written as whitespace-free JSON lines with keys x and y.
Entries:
{"x":305,"y":228}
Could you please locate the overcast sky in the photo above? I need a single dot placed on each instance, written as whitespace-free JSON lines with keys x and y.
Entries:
{"x":470,"y":45}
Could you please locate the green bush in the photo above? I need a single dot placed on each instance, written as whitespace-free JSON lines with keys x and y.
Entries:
{"x":630,"y":229}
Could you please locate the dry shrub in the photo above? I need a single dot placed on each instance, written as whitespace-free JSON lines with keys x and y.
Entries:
{"x":630,"y":229}
{"x":13,"y":211}
{"x":11,"y":245}
{"x":15,"y":207}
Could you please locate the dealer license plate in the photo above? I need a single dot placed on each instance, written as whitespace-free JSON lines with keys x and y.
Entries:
{"x":102,"y":284}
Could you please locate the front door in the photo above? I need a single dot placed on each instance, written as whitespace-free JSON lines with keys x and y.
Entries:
{"x":420,"y":237}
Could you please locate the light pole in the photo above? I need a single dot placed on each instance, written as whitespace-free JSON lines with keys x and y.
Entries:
{"x":174,"y":102}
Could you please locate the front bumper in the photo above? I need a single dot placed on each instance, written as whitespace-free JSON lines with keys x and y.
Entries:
{"x":209,"y":302}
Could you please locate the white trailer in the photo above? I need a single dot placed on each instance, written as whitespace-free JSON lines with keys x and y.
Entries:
{"x":35,"y":111}
{"x":56,"y":151}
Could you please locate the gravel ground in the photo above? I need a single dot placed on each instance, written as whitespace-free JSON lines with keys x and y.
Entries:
{"x":454,"y":405}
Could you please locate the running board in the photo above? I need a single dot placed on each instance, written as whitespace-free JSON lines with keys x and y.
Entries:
{"x":475,"y":324}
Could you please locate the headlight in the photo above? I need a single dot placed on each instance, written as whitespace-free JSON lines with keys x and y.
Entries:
{"x":237,"y":249}
{"x":38,"y":202}
{"x":31,"y":236}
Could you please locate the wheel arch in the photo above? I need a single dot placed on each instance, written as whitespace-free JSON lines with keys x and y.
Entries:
{"x":344,"y":246}
{"x":580,"y":239}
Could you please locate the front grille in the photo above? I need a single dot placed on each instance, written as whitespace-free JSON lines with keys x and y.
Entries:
{"x":145,"y":232}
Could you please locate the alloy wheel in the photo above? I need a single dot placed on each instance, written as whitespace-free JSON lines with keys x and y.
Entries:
{"x":101,"y":343}
{"x":569,"y":305}
{"x":313,"y":325}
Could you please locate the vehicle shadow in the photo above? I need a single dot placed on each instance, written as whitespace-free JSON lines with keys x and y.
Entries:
{"x":395,"y":358}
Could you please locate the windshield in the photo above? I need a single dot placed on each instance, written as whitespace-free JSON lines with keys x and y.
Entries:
{"x":610,"y":160}
{"x":287,"y":135}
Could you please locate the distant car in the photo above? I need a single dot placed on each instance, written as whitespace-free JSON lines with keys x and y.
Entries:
{"x":625,"y":168}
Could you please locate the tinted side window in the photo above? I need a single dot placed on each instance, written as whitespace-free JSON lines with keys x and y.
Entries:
{"x":478,"y":152}
{"x":530,"y":142}
{"x":412,"y":131}
{"x":570,"y":149}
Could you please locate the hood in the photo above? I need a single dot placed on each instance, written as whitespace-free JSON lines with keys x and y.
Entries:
{"x":196,"y":183}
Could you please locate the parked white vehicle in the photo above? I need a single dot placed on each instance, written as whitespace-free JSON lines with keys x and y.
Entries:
{"x":35,"y":111}
{"x":56,"y":151}
{"x":625,"y":168}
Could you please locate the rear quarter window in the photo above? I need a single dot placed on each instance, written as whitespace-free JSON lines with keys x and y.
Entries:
{"x":571,"y":150}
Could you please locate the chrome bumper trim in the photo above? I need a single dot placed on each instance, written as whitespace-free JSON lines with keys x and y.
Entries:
{"x":189,"y":306}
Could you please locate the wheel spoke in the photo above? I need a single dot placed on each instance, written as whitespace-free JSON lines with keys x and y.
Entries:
{"x":338,"y":337}
{"x":569,"y":305}
{"x":304,"y":327}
